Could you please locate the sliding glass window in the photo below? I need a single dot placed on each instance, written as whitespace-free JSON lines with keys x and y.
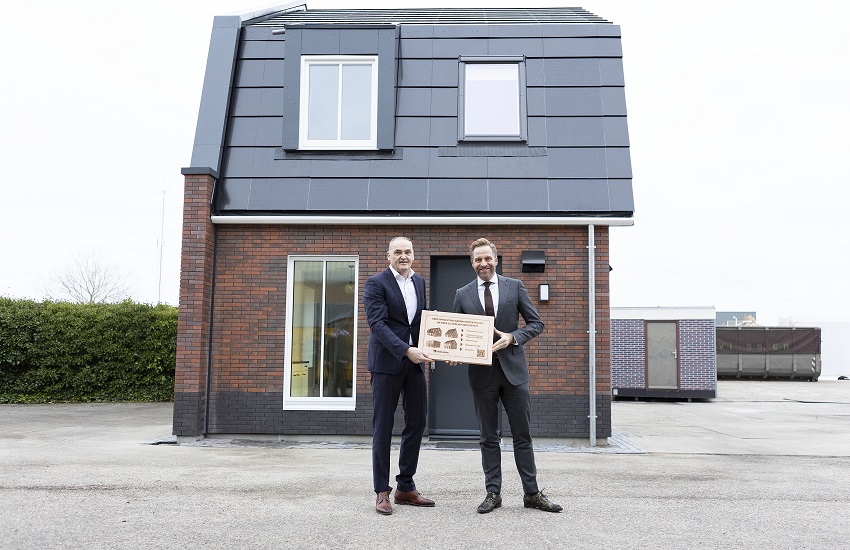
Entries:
{"x":321,"y":333}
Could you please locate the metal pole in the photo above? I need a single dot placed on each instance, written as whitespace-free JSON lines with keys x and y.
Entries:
{"x":591,"y":278}
{"x":161,"y":244}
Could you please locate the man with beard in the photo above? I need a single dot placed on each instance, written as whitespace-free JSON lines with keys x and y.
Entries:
{"x":506,"y":380}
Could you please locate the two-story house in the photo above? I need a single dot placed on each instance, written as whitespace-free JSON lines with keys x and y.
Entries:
{"x":322,"y":134}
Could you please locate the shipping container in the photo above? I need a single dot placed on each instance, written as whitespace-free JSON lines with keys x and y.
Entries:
{"x":791,"y":353}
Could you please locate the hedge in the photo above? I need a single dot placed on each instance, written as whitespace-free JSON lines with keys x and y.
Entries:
{"x":65,"y":352}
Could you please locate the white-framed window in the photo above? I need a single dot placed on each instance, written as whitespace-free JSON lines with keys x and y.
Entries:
{"x":320,"y":364}
{"x":492,"y":104}
{"x":339,"y":102}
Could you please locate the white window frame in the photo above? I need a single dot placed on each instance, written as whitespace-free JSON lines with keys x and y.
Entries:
{"x":317,"y":403}
{"x":303,"y":117}
{"x":519,"y":61}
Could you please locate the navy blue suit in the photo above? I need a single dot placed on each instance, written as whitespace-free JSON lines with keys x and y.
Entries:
{"x":394,"y":376}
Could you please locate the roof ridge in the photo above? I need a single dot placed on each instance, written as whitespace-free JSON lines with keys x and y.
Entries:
{"x":433,"y":16}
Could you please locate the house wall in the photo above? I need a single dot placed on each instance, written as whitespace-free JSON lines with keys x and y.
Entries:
{"x":193,"y":324}
{"x":248,"y":330}
{"x":628,"y":353}
{"x":697,"y":355}
{"x":575,"y":162}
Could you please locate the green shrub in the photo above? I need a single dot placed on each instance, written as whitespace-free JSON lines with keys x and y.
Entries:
{"x":59,"y":351}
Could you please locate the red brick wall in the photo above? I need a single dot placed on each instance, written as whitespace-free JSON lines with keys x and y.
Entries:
{"x":193,"y":326}
{"x":249,"y":309}
{"x":250,"y":303}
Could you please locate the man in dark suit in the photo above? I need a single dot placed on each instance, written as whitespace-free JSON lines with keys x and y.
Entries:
{"x":394,"y":300}
{"x":506,"y":380}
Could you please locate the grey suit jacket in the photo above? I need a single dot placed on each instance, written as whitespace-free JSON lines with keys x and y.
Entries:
{"x":513,"y":303}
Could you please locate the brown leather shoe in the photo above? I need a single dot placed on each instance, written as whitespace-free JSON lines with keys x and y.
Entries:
{"x":382,"y":503}
{"x":413,"y":498}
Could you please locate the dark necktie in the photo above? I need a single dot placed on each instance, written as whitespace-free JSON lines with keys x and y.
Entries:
{"x":488,"y":300}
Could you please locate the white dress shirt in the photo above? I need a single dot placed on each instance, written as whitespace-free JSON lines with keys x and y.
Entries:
{"x":494,"y":292}
{"x":408,"y":291}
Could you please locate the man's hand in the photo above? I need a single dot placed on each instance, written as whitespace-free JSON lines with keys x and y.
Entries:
{"x":417,"y":355}
{"x":505,"y":339}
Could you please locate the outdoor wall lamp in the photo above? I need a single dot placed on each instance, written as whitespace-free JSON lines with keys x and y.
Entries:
{"x":544,"y":292}
{"x":533,"y":261}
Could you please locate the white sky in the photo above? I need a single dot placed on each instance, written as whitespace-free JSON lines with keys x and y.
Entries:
{"x":739,"y":117}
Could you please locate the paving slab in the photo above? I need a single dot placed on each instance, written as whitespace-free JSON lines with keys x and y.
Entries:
{"x":747,"y":417}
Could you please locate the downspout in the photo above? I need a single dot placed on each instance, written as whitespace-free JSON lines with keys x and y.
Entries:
{"x":210,"y":335}
{"x":591,"y":286}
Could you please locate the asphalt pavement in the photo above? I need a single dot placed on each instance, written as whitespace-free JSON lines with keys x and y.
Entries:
{"x":764,"y":465}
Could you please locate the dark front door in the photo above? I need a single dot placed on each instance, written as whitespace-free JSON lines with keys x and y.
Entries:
{"x":451,"y":414}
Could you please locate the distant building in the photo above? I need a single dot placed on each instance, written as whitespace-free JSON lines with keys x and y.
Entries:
{"x":736,"y":318}
{"x":663,"y":352}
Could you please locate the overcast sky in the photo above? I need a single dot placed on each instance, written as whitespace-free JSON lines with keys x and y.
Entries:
{"x":739,"y":118}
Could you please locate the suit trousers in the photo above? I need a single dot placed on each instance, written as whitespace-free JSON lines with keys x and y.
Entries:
{"x":409,"y":385}
{"x":517,"y":403}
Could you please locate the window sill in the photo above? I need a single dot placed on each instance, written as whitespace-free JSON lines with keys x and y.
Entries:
{"x":491,"y":138}
{"x":338,"y":154}
{"x":319,"y":404}
{"x":492,"y":149}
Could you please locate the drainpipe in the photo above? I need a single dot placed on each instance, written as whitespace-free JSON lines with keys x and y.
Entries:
{"x":208,"y":390}
{"x":591,"y":286}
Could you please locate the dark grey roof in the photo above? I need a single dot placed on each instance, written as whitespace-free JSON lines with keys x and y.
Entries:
{"x":574,"y":160}
{"x":433,"y":16}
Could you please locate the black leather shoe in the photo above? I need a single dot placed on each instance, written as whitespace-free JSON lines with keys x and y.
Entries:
{"x":539,"y":501}
{"x":491,"y":502}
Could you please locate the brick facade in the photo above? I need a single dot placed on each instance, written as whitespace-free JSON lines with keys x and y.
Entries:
{"x":193,"y":325}
{"x":628,"y":353}
{"x":697,"y":353}
{"x":249,"y":307}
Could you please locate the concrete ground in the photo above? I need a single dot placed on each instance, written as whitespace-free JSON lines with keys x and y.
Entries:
{"x":765,"y":465}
